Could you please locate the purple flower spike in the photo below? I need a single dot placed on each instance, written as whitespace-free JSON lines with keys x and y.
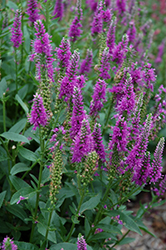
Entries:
{"x":156,"y":164}
{"x":8,"y":244}
{"x":42,"y":52}
{"x":119,"y":139}
{"x":69,"y":80}
{"x":136,"y":157}
{"x":86,"y":63}
{"x":98,"y":97}
{"x":121,"y":6}
{"x":160,"y":52}
{"x":83,"y":142}
{"x":111,"y":36}
{"x":119,"y":52}
{"x":16,"y":30}
{"x":132,"y":32}
{"x":32,"y":11}
{"x":98,"y":142}
{"x":78,"y":113}
{"x":97,"y":24}
{"x":64,"y":53}
{"x":105,"y":65}
{"x":38,"y":116}
{"x":81,"y":243}
{"x":58,"y":10}
{"x":92,"y":4}
{"x":75,"y":28}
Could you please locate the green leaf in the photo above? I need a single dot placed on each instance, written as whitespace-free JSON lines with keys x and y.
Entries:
{"x":66,"y":246}
{"x":87,"y":227}
{"x":12,"y":5}
{"x":3,"y":156}
{"x":17,"y":182}
{"x":3,"y":87}
{"x":128,"y":222}
{"x":144,"y":228}
{"x":42,"y":230}
{"x":25,"y":246}
{"x":25,"y":192}
{"x":109,"y":228}
{"x":14,"y":137}
{"x":18,"y":168}
{"x":22,"y":104}
{"x":17,"y":211}
{"x":91,"y":203}
{"x":100,"y":236}
{"x":18,"y":127}
{"x":4,"y":228}
{"x":2,"y":196}
{"x":27,"y":154}
{"x":126,"y":241}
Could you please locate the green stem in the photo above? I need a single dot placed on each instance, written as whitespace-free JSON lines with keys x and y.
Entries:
{"x":22,"y":28}
{"x":49,"y":221}
{"x":39,"y":182}
{"x":116,"y":243}
{"x":77,"y":214}
{"x":29,"y":169}
{"x":4,"y":116}
{"x":99,"y":213}
{"x":16,"y":70}
{"x":108,"y":114}
{"x":47,"y":15}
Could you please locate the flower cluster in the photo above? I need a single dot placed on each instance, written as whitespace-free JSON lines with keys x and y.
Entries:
{"x":81,"y":243}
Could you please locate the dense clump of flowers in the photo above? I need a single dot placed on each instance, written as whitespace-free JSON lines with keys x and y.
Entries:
{"x":87,"y":63}
{"x":97,"y":24}
{"x":63,"y":54}
{"x":105,"y":65}
{"x":58,"y":10}
{"x":78,"y":113}
{"x":111,"y":36}
{"x":42,"y":52}
{"x":156,"y":164}
{"x":32,"y":10}
{"x":83,"y":142}
{"x":69,"y":80}
{"x":38,"y":116}
{"x":98,"y":97}
{"x":16,"y":37}
{"x":98,"y":143}
{"x":8,"y":244}
{"x":75,"y":27}
{"x":81,"y":243}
